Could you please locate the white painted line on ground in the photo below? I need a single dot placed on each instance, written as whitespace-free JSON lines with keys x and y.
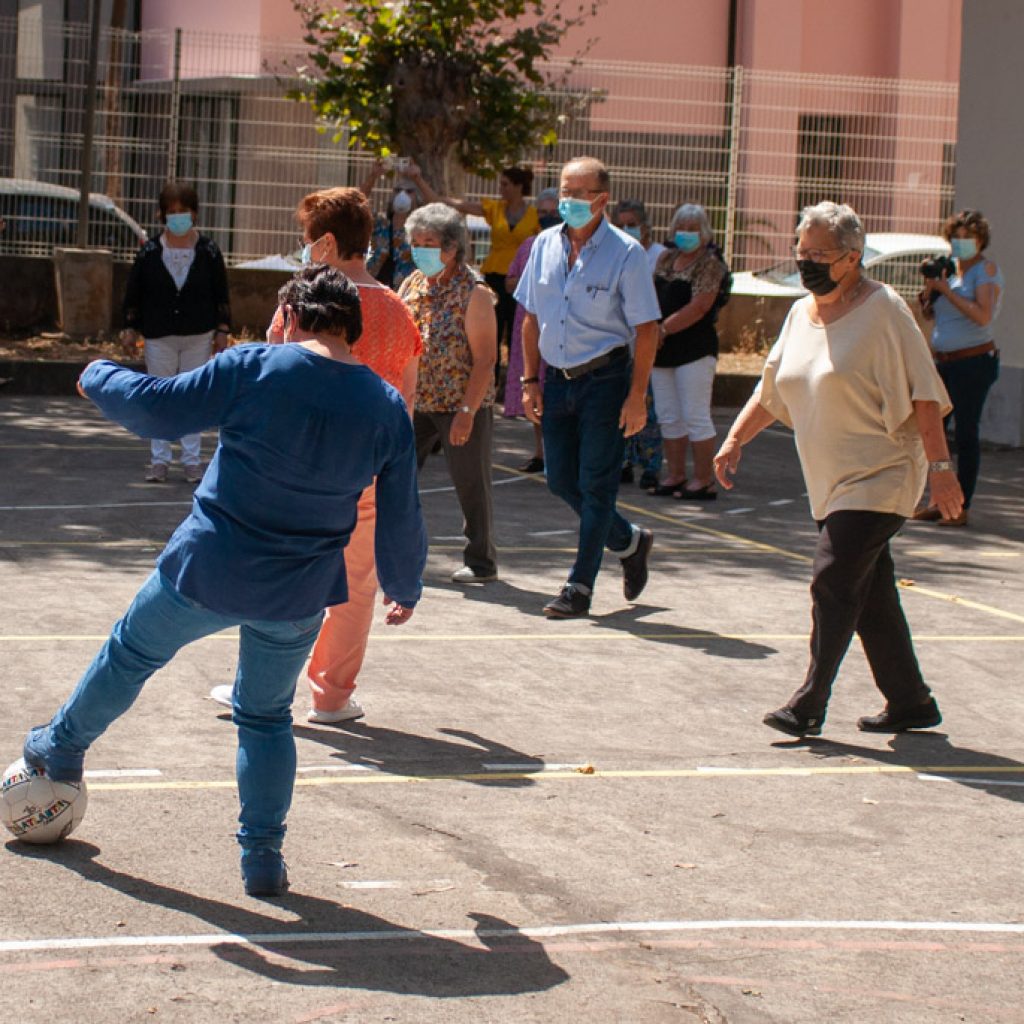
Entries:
{"x":453,"y":536}
{"x":535,"y":766}
{"x":122,"y":773}
{"x":113,"y":504}
{"x":737,"y":511}
{"x":547,"y":533}
{"x":440,"y":490}
{"x":781,"y":501}
{"x":968,"y":781}
{"x":294,"y":938}
{"x":430,"y":883}
{"x":372,"y":885}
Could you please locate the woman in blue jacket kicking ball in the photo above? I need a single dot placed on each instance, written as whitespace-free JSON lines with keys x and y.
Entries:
{"x":304,"y":430}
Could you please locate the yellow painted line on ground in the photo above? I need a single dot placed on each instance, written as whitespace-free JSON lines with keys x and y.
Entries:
{"x":725,"y":535}
{"x":376,"y":777}
{"x":598,"y":634}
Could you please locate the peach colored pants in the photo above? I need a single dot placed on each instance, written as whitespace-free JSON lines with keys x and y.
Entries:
{"x":341,"y":646}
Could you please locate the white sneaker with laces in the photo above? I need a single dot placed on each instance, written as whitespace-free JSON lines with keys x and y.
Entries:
{"x":467,"y":575}
{"x":222,"y":694}
{"x":350,"y":710}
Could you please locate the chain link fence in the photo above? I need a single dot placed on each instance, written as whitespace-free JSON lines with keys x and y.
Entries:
{"x":751,"y":146}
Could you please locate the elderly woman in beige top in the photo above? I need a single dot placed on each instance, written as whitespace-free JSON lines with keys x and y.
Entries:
{"x":851,"y":374}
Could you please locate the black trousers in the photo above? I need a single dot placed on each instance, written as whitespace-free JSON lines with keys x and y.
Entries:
{"x":505,"y":311}
{"x":968,"y":382}
{"x":469,"y":466}
{"x":854,"y":591}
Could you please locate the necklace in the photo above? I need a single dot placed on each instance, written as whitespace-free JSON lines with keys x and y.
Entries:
{"x":854,"y":292}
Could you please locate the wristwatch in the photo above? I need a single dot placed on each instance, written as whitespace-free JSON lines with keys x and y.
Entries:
{"x":942,"y":466}
{"x":529,"y":380}
{"x":465,"y":408}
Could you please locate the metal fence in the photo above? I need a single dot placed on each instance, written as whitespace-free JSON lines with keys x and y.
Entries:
{"x":752,"y":146}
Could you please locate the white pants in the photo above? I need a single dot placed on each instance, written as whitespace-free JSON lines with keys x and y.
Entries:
{"x":167,"y":357}
{"x":682,"y":399}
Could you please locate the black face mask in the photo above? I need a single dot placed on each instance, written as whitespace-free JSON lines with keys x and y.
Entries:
{"x":815,"y":277}
{"x":549,"y":220}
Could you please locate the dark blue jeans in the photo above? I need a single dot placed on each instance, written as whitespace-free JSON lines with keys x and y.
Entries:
{"x":968,"y":382}
{"x":583,"y":448}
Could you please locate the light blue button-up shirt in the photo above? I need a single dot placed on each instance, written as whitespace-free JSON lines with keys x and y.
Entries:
{"x":593,"y":308}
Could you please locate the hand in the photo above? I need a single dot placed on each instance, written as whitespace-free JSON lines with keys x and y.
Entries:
{"x":413,"y":170}
{"x":220,"y":341}
{"x":633,"y":417}
{"x":945,"y":493}
{"x":397,"y":614}
{"x":726,"y":461}
{"x":130,"y":341}
{"x":461,"y":428}
{"x":533,"y":402}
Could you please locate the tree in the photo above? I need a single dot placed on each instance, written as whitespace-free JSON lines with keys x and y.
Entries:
{"x":456,"y":84}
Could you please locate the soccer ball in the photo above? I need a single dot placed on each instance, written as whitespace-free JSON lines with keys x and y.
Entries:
{"x":37,"y":810}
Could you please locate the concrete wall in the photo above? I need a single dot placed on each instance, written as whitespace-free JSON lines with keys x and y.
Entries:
{"x":989,"y":155}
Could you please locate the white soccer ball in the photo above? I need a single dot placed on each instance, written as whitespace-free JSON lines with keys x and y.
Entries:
{"x":38,"y":810}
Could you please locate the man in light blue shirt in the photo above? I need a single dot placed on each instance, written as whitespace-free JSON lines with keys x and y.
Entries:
{"x":591,"y":312}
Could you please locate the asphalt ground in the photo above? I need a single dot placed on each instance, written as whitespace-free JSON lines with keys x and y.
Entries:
{"x":536,"y":821}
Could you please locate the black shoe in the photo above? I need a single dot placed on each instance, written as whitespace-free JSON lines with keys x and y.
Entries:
{"x":634,"y":567}
{"x":924,"y":716}
{"x":627,"y":474}
{"x":647,"y":480}
{"x":571,"y":603}
{"x":788,"y":721}
{"x":535,"y":465}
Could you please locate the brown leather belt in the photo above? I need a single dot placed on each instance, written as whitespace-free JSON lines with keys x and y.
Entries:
{"x":965,"y":353}
{"x":572,"y":372}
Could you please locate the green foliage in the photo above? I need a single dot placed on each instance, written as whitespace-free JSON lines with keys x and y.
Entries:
{"x":439,"y":80}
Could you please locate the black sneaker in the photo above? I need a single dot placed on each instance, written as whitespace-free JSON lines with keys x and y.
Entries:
{"x":571,"y":603}
{"x":924,"y":716}
{"x":627,"y":474}
{"x":634,"y":567}
{"x":788,"y":721}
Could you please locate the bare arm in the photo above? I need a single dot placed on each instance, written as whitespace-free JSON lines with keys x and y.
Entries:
{"x":633,"y":417}
{"x":372,"y":176}
{"x":409,"y":382}
{"x":753,"y":418}
{"x":433,"y":196}
{"x":942,"y":484}
{"x":696,"y":309}
{"x":482,"y":333}
{"x":533,"y":393}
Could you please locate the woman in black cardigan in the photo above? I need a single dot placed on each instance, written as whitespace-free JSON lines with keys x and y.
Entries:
{"x":177,"y":300}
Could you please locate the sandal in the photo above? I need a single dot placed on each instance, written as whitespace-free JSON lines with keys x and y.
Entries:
{"x":705,"y":493}
{"x":667,"y":490}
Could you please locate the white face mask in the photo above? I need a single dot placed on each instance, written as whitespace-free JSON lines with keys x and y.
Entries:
{"x":402,"y":202}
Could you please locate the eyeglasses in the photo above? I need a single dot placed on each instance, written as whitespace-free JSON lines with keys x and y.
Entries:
{"x":579,"y":193}
{"x":814,"y":255}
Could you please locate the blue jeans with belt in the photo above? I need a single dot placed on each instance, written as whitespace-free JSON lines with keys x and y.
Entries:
{"x":159,"y":622}
{"x":968,"y":382}
{"x":583,"y":448}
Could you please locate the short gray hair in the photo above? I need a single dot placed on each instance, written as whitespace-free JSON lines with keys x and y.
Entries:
{"x":631,"y":206}
{"x":841,"y":220}
{"x":443,"y":221}
{"x":694,"y":211}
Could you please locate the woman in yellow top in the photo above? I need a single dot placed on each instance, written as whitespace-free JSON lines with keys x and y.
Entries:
{"x":513,"y":219}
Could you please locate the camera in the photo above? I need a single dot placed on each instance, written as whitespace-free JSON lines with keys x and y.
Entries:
{"x":937,"y":266}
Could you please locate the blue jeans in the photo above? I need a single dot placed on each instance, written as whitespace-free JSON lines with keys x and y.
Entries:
{"x":159,"y":622}
{"x":583,"y":449}
{"x":968,"y":382}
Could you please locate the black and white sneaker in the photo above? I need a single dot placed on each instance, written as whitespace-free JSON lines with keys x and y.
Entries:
{"x":571,"y":603}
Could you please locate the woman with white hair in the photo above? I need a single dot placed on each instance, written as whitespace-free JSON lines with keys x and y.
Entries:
{"x":688,"y":279}
{"x":852,"y":375}
{"x":454,"y":311}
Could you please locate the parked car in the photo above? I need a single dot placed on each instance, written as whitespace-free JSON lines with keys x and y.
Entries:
{"x":894,"y":258}
{"x":37,"y":216}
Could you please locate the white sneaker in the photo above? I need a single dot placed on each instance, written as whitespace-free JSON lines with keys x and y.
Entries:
{"x":467,"y":575}
{"x":222,"y":694}
{"x":351,"y":710}
{"x":193,"y":472}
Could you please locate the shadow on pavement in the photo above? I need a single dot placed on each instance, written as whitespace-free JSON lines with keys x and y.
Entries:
{"x":929,"y":753}
{"x":367,"y":957}
{"x":404,"y":753}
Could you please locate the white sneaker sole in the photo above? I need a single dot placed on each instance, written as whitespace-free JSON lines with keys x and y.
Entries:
{"x":350,"y":711}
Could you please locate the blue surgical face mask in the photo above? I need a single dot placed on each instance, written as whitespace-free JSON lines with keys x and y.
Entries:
{"x":964,"y":248}
{"x":687,"y":241}
{"x":575,"y":212}
{"x":306,"y":256}
{"x":633,"y":230}
{"x":179,"y":223}
{"x":427,"y":259}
